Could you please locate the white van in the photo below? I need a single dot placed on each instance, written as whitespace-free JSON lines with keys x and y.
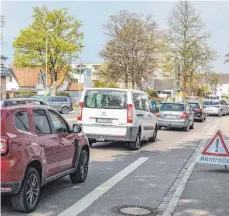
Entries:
{"x":117,"y":115}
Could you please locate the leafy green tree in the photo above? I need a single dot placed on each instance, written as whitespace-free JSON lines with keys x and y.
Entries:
{"x":64,"y":42}
{"x":152,"y":93}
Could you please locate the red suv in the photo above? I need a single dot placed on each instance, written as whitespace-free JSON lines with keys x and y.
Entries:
{"x":38,"y":146}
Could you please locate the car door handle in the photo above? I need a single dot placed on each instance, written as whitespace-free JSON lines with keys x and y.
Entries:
{"x":139,"y":114}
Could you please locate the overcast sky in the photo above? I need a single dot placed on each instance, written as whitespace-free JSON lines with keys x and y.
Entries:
{"x":18,"y":15}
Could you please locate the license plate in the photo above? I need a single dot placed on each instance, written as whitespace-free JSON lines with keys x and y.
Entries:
{"x":100,"y":139}
{"x":171,"y":116}
{"x":103,"y":120}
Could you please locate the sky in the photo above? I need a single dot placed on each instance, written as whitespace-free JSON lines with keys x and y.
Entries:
{"x":93,"y":14}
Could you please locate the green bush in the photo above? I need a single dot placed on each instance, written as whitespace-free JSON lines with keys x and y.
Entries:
{"x":103,"y":84}
{"x":63,"y":93}
{"x":152,"y":93}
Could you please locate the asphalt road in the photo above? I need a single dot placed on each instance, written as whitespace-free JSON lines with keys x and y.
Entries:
{"x":118,"y":176}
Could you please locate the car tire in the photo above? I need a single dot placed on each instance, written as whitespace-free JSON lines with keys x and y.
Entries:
{"x":159,"y":127}
{"x":31,"y":182}
{"x":80,"y":175}
{"x":137,"y":143}
{"x":154,"y":138}
{"x":188,"y":127}
{"x":65,"y":110}
{"x":90,"y":143}
{"x":202,"y":119}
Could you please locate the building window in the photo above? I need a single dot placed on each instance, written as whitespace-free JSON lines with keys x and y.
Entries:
{"x":74,"y":81}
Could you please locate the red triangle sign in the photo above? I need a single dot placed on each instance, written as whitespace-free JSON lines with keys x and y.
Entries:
{"x":217,"y":146}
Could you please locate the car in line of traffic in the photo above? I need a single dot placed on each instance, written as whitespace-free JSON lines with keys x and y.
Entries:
{"x":38,"y":146}
{"x":184,"y":114}
{"x":117,"y":115}
{"x":216,"y":107}
{"x":175,"y":115}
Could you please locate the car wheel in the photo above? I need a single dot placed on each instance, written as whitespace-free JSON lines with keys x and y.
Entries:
{"x":65,"y":110}
{"x":28,"y":196}
{"x":202,"y":119}
{"x":137,"y":143}
{"x":90,"y":142}
{"x":188,"y":127}
{"x":153,"y":139}
{"x":80,"y":175}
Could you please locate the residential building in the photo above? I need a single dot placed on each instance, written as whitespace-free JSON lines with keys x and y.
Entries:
{"x":82,"y":74}
{"x":94,"y":68}
{"x":9,"y":81}
{"x":222,"y":84}
{"x":33,"y":79}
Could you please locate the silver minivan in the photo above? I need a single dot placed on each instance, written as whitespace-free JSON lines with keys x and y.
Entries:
{"x":62,"y":104}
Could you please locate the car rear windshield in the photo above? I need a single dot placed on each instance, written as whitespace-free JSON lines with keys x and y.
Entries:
{"x":172,"y":107}
{"x":211,"y":103}
{"x":194,"y":105}
{"x":105,"y":99}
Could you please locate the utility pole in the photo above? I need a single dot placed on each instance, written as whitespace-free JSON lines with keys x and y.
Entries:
{"x":177,"y":80}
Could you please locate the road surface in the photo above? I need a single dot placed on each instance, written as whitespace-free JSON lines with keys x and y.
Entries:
{"x":118,"y":176}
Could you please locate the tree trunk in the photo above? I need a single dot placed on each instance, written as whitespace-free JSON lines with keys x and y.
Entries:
{"x":133,"y":83}
{"x":53,"y":88}
{"x":126,"y":77}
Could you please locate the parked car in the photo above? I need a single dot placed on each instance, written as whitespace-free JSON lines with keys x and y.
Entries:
{"x":117,"y":115}
{"x":38,"y":146}
{"x":21,"y":101}
{"x":198,"y":110}
{"x":40,"y":97}
{"x":175,"y":115}
{"x":216,"y":107}
{"x":62,"y":104}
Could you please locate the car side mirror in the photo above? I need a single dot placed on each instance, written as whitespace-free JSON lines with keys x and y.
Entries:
{"x":76,"y":128}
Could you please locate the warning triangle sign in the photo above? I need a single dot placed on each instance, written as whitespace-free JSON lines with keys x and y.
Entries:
{"x":217,"y":146}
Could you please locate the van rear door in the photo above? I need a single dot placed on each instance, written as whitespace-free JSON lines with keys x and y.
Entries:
{"x":105,"y":112}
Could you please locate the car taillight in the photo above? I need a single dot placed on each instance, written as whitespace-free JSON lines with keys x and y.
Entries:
{"x":129,"y":113}
{"x":81,"y":111}
{"x":184,"y":115}
{"x":198,"y":110}
{"x":158,"y":115}
{"x":3,"y":146}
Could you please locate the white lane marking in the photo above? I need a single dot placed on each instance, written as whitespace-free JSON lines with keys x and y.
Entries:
{"x":86,"y":201}
{"x":176,"y":196}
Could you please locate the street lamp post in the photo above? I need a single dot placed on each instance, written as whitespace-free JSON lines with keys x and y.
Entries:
{"x":46,"y":58}
{"x":80,"y":64}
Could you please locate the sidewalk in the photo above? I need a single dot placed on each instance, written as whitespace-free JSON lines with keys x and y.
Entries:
{"x":207,"y":191}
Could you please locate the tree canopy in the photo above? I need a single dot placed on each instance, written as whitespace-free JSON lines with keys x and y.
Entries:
{"x":60,"y":31}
